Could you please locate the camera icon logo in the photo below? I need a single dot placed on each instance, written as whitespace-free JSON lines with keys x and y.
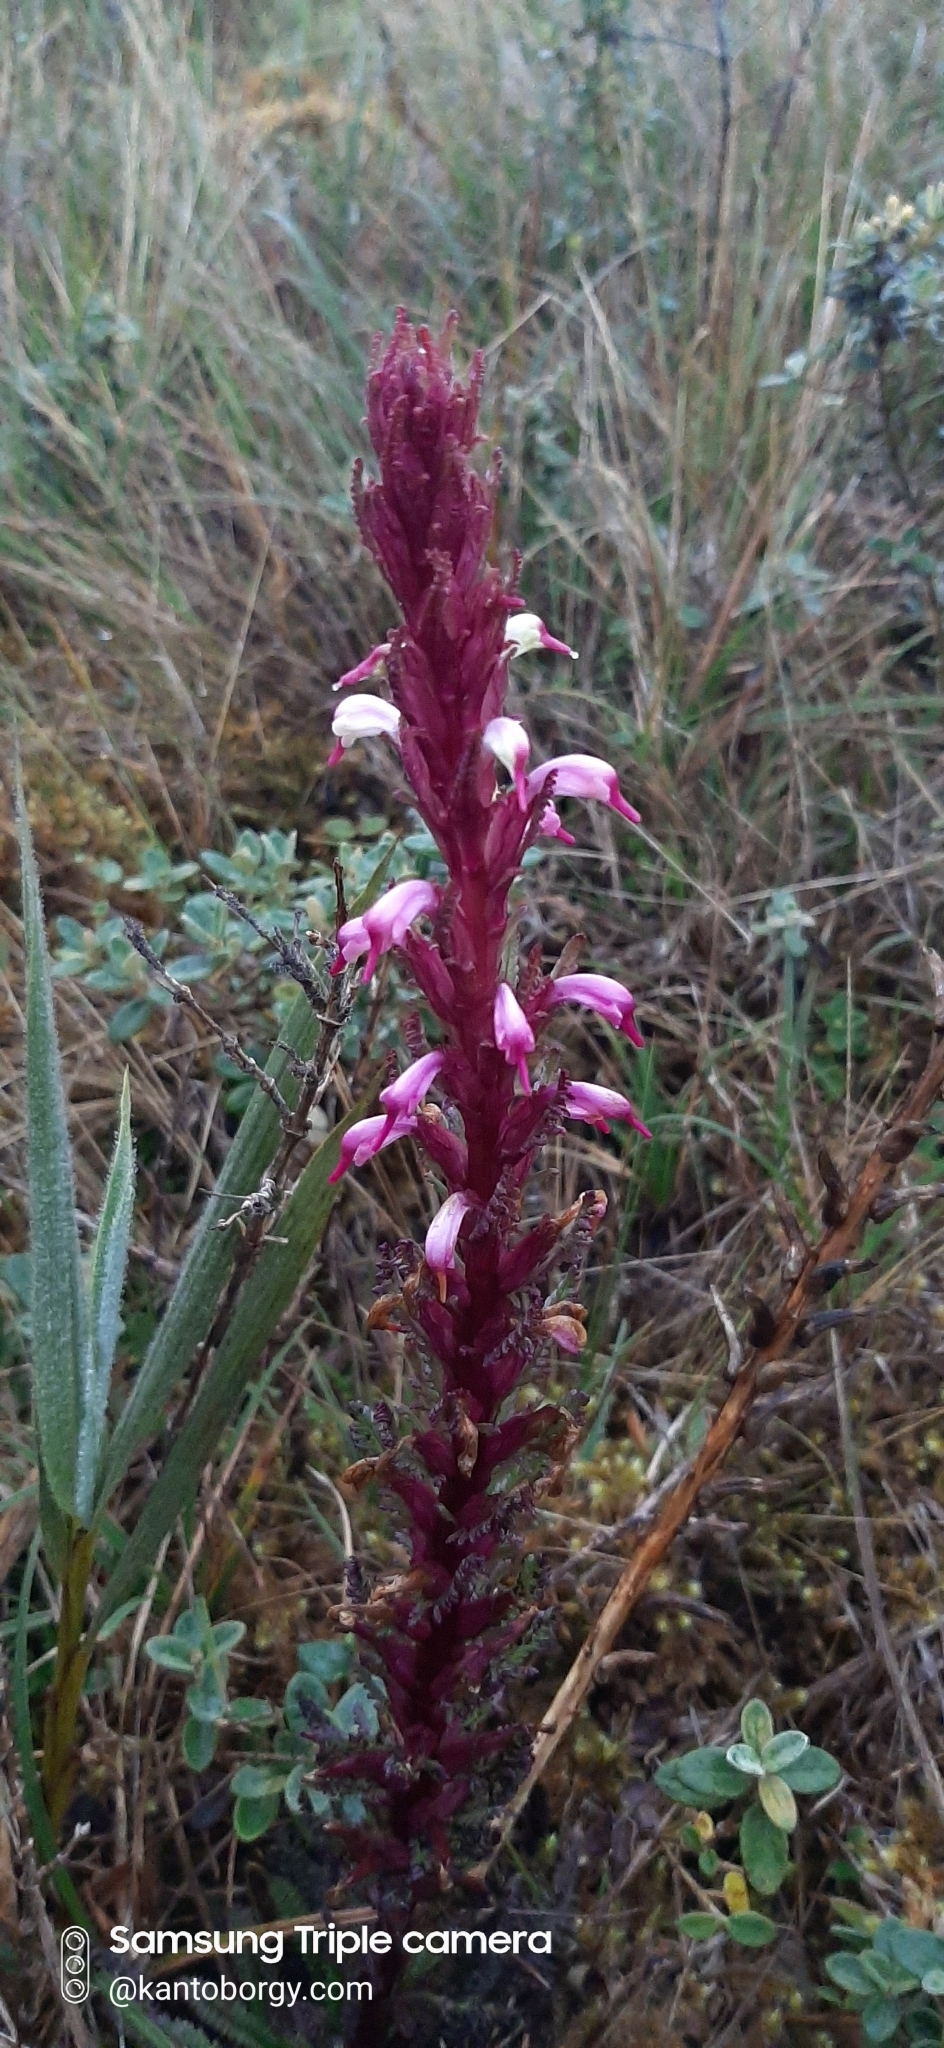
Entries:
{"x":74,"y":1965}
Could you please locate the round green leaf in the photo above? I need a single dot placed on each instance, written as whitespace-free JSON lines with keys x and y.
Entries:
{"x":742,"y":1757}
{"x":709,"y":1863}
{"x":912,"y":1948}
{"x":880,"y":2019}
{"x":756,"y":1725}
{"x":198,"y":1743}
{"x":707,"y":1778}
{"x":764,"y":1851}
{"x":259,"y":1781}
{"x":251,"y":1817}
{"x":784,"y":1749}
{"x":924,"y":2028}
{"x":778,"y":1802}
{"x":169,"y":1655}
{"x":847,"y":1972}
{"x":750,"y":1930}
{"x":814,"y":1771}
{"x":226,"y":1635}
{"x":249,"y":1711}
{"x":933,"y":1982}
{"x":700,"y":1926}
{"x":327,"y":1658}
{"x":293,"y":1788}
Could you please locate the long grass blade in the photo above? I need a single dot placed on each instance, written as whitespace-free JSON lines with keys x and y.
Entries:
{"x":106,"y":1282}
{"x":60,"y":1322}
{"x":267,"y":1294}
{"x":190,"y":1312}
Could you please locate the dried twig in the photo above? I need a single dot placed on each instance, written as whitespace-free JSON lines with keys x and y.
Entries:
{"x":837,"y":1243}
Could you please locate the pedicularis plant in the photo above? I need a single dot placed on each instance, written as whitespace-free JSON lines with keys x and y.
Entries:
{"x":485,"y":1299}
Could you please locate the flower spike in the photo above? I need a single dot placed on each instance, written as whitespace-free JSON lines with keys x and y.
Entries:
{"x":478,"y":1300}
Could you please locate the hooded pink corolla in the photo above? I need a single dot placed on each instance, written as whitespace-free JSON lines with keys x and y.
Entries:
{"x":385,"y":924}
{"x":582,"y":775}
{"x":599,"y":1106}
{"x":368,"y":667}
{"x":598,"y":992}
{"x":362,"y":718}
{"x":526,"y":634}
{"x":368,"y":1137}
{"x":513,"y":1034}
{"x":439,"y":1250}
{"x":405,"y":1094}
{"x":507,"y":740}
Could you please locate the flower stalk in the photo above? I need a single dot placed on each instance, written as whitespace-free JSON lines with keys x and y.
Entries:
{"x":480,"y":1302}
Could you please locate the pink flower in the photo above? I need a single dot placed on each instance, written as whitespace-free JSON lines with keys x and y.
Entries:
{"x":384,"y":925}
{"x":368,"y":667}
{"x":526,"y":633}
{"x":550,"y":826}
{"x":513,"y":1034}
{"x":582,"y":775}
{"x":368,"y":1137}
{"x":508,"y":741}
{"x":362,"y":718}
{"x":404,"y":1095}
{"x":598,"y":1105}
{"x":598,"y":992}
{"x":439,"y":1250}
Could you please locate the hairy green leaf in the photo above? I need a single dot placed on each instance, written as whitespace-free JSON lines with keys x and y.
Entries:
{"x":814,"y":1771}
{"x":199,"y":1743}
{"x":784,"y":1749}
{"x":778,"y":1802}
{"x":706,"y":1776}
{"x":756,"y":1724}
{"x":880,"y":2019}
{"x":765,"y":1851}
{"x":251,"y":1817}
{"x":700,"y":1926}
{"x":750,"y":1930}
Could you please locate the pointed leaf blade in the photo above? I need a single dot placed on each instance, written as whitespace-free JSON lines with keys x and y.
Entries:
{"x":190,"y":1312}
{"x":264,"y":1299}
{"x":106,"y":1285}
{"x":60,"y":1324}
